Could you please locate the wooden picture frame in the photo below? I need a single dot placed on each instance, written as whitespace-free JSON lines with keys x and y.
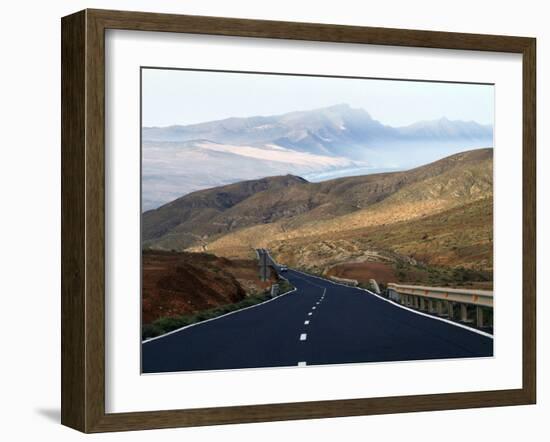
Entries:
{"x":83,"y":220}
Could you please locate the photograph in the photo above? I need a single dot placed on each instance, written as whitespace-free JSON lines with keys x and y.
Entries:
{"x":296,"y":220}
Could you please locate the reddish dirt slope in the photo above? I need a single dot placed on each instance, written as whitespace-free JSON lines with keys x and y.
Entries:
{"x":364,"y":271}
{"x":183,"y":283}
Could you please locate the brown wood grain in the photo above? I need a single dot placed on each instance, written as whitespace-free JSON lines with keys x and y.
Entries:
{"x":529,"y":222}
{"x":83,"y":219}
{"x":73,"y":127}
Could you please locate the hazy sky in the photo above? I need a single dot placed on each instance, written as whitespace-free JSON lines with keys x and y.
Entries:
{"x":185,"y":97}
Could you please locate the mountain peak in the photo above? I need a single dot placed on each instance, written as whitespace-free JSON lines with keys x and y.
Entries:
{"x":334,"y":130}
{"x":295,"y":178}
{"x":339,"y":107}
{"x":346,"y":109}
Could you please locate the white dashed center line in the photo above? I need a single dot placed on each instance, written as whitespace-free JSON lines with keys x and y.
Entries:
{"x":303,"y":336}
{"x":313,"y":308}
{"x":306,"y":323}
{"x":309,"y":314}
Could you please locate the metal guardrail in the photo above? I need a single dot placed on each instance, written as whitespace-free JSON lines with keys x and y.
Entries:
{"x":443,"y":301}
{"x":351,"y":282}
{"x":265,"y":263}
{"x":374,"y":286}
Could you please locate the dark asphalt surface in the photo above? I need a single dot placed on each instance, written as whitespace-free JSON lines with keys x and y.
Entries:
{"x":347,"y":325}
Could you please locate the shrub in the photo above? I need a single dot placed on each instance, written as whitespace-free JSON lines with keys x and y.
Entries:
{"x":150,"y":331}
{"x":170,"y":323}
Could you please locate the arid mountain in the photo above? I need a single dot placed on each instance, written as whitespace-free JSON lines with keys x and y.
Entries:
{"x":439,"y":214}
{"x":201,"y":217}
{"x":194,"y":218}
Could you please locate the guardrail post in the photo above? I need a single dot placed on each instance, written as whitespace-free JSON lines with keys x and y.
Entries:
{"x":450,"y":310}
{"x":374,"y":285}
{"x":463,"y":313}
{"x":479,"y":316}
{"x":439,"y":308}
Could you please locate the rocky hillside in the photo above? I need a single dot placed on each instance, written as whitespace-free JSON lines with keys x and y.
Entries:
{"x":392,"y":224}
{"x":291,"y":206}
{"x":456,"y":237}
{"x":194,"y":218}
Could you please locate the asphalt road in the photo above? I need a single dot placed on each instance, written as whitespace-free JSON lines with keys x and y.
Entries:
{"x":319,"y":323}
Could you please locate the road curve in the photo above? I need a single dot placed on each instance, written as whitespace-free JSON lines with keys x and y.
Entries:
{"x":319,"y":323}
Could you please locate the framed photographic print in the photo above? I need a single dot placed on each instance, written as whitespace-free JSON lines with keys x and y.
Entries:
{"x":270,"y":220}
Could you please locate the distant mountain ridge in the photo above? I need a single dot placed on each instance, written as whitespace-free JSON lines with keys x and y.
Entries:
{"x":317,"y":144}
{"x":338,"y":130}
